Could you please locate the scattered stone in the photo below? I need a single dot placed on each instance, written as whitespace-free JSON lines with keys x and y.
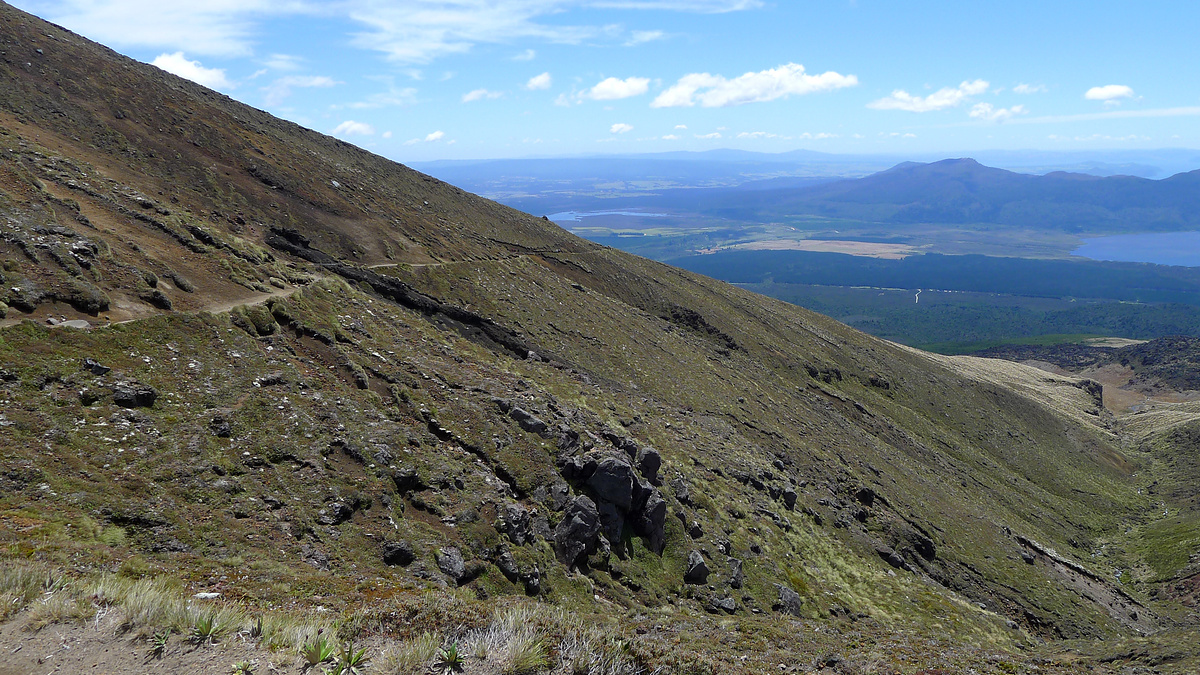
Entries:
{"x":891,"y":557}
{"x":450,"y":561}
{"x":207,"y":596}
{"x":508,"y":566}
{"x":697,"y":570}
{"x":532,"y":581}
{"x":727,"y":605}
{"x":736,"y":577}
{"x":789,"y":498}
{"x":130,"y":394}
{"x":576,"y":535}
{"x":95,"y":368}
{"x":220,"y":427}
{"x":1027,"y":557}
{"x":527,"y":420}
{"x":515,"y":522}
{"x":398,"y":553}
{"x":336,"y":514}
{"x":789,"y":601}
{"x":680,"y":488}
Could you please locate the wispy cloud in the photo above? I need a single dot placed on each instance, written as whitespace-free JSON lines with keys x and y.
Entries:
{"x":178,"y":64}
{"x":539,"y":82}
{"x":639,"y":37}
{"x":481,"y":94}
{"x":1029,"y":88}
{"x":1191,"y":111}
{"x":527,"y":55}
{"x":282,"y":88}
{"x":713,"y":136}
{"x":989,"y":113}
{"x":946,"y":97}
{"x":612,"y":89}
{"x":286,"y":62}
{"x":715,"y":91}
{"x":620,"y":128}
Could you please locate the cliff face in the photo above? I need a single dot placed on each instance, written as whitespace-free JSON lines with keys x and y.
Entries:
{"x":322,"y":368}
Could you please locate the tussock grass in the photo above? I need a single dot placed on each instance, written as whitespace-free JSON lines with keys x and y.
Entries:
{"x":411,"y":656}
{"x":20,"y":585}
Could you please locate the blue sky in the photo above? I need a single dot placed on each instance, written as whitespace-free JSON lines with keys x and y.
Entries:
{"x":448,"y":79}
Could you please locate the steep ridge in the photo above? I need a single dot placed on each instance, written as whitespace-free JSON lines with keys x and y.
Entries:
{"x":447,"y":392}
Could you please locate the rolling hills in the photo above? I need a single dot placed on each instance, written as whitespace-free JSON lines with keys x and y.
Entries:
{"x":333,"y":389}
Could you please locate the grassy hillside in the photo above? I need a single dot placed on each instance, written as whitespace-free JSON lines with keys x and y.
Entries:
{"x":314,"y":380}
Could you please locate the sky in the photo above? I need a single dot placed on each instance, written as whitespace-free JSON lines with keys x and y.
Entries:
{"x":420,"y":80}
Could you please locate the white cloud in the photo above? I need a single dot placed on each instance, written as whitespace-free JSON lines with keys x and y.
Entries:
{"x":819,"y":136}
{"x":387,"y":134}
{"x":670,"y":137}
{"x":1108,"y":92}
{"x":429,"y":138}
{"x":178,"y":64}
{"x":639,"y":37}
{"x":989,"y":113}
{"x":715,"y":91}
{"x":682,"y":127}
{"x":757,"y":135}
{"x":527,"y":55}
{"x":612,"y":89}
{"x":284,"y":62}
{"x":714,"y":135}
{"x":1029,"y":88}
{"x":620,"y":128}
{"x":351,"y":128}
{"x":537,"y":82}
{"x":481,"y":94}
{"x":946,"y":97}
{"x":280,"y":89}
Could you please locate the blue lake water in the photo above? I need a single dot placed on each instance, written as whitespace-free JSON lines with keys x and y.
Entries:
{"x":577,"y":216}
{"x":1166,"y":248}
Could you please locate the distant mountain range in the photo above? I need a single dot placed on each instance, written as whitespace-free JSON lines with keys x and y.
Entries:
{"x":963,"y":191}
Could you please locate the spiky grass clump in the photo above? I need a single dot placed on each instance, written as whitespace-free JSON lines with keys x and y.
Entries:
{"x":20,"y":585}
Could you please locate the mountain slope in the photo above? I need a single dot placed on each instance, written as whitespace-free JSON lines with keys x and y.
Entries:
{"x":441,"y":391}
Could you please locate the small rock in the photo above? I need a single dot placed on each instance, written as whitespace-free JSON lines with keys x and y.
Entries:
{"x":736,"y":578}
{"x":206,"y":596}
{"x":508,"y":566}
{"x":680,"y":488}
{"x":527,"y":420}
{"x":697,"y":570}
{"x":728,"y":605}
{"x":95,"y":368}
{"x":336,"y":514}
{"x":398,"y":553}
{"x":515,"y":522}
{"x":450,"y":561}
{"x":789,"y":601}
{"x":132,"y":394}
{"x":220,"y":427}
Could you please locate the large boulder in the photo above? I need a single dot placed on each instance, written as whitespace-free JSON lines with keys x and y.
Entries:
{"x":648,"y":463}
{"x":515,"y":522}
{"x":576,"y":535}
{"x":130,"y":394}
{"x":398,"y":553}
{"x":613,"y":481}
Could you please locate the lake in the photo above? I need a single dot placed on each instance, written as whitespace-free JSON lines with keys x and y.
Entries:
{"x":1166,"y":248}
{"x":577,"y":216}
